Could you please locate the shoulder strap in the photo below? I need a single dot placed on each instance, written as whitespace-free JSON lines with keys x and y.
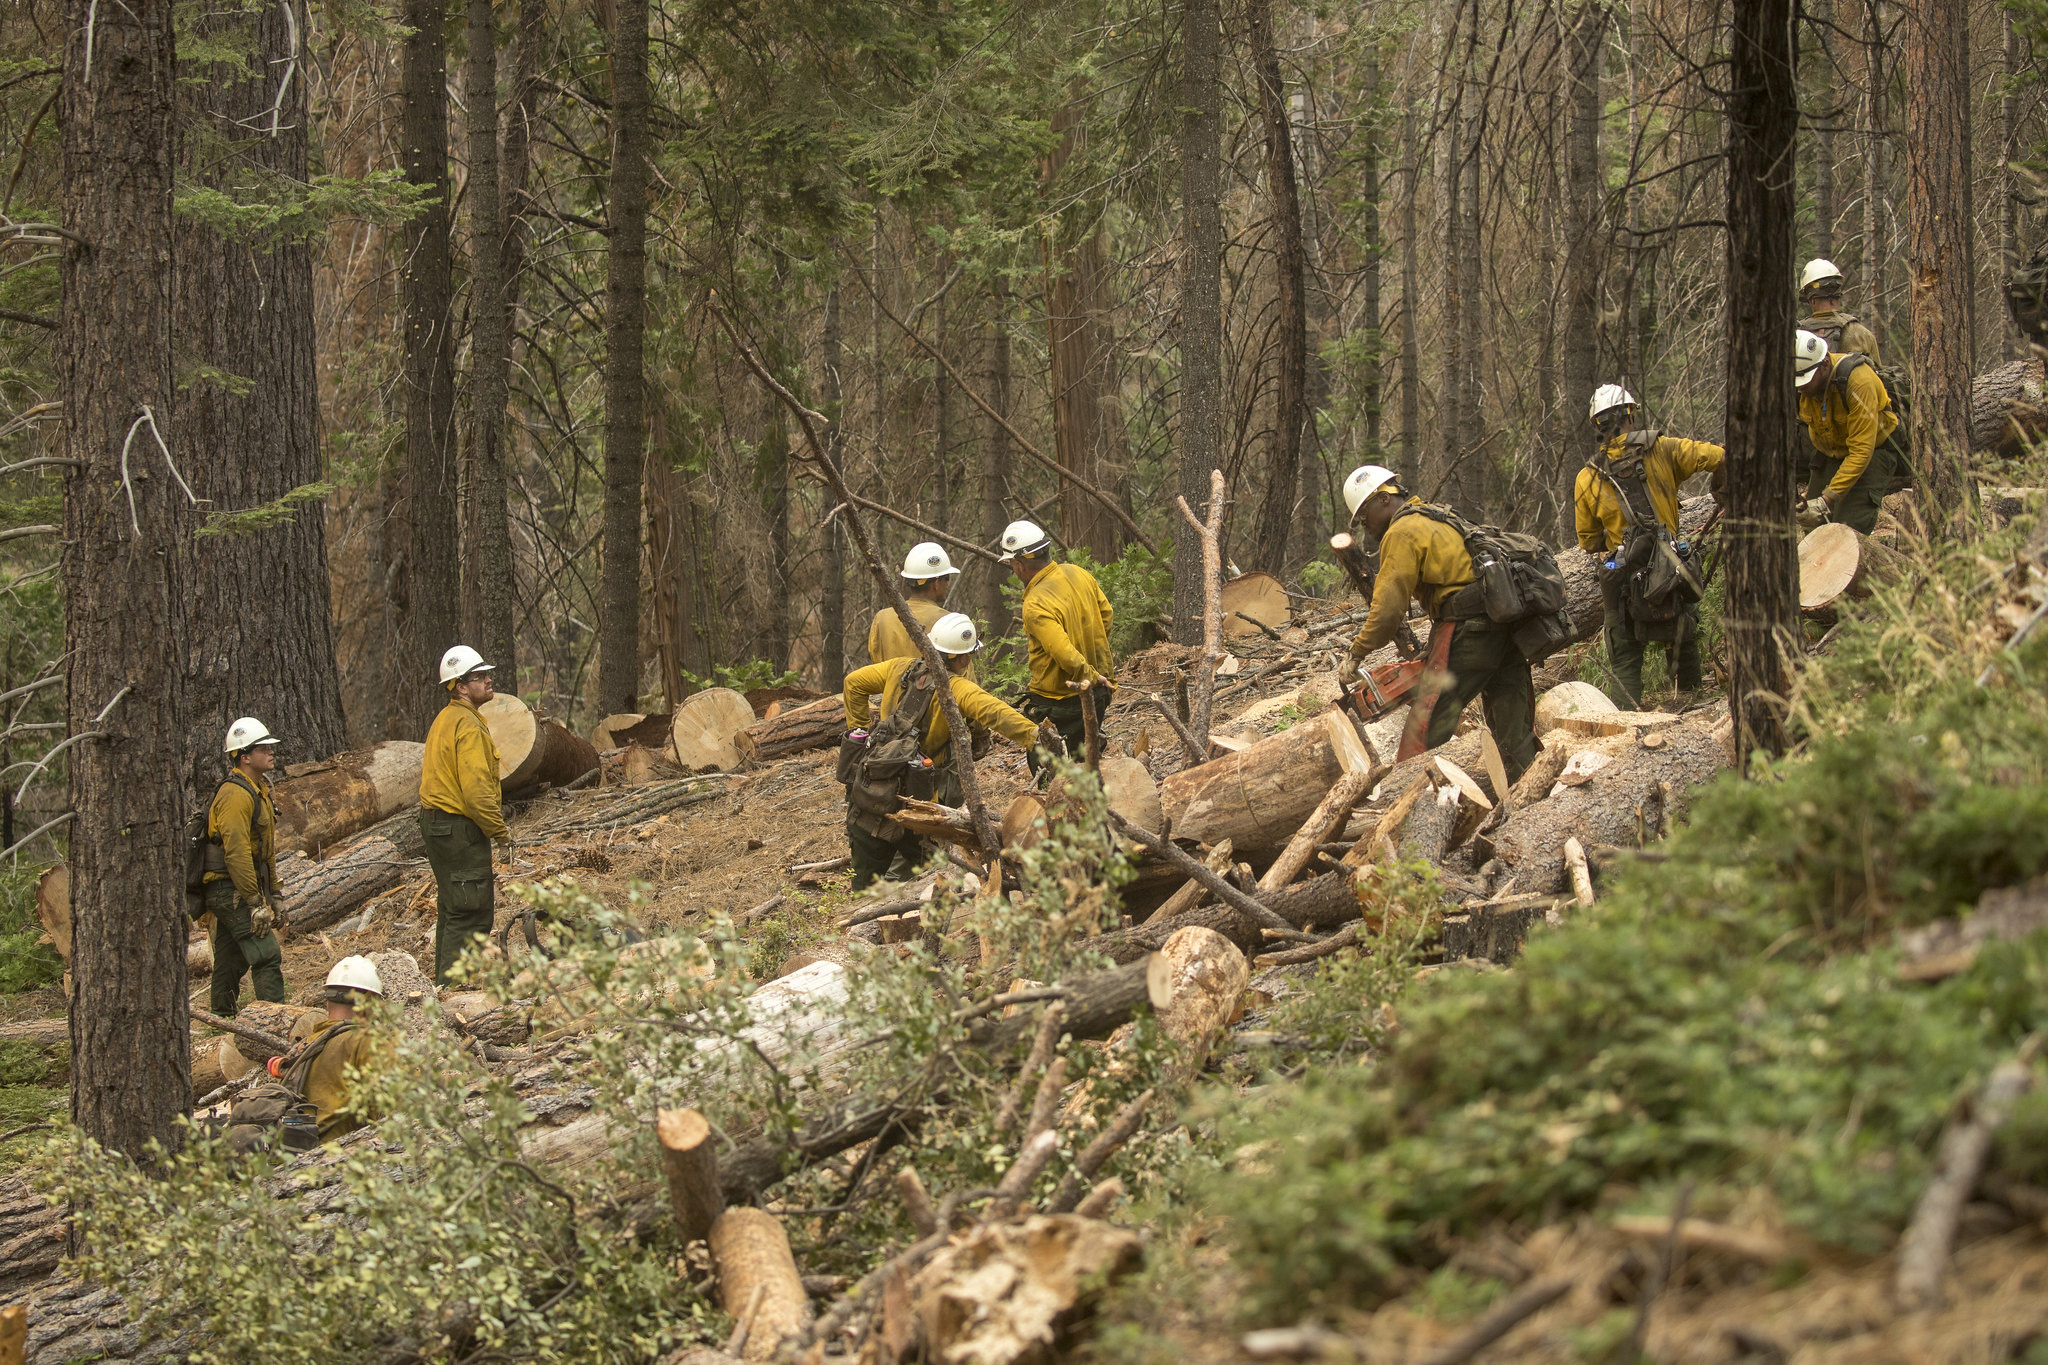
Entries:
{"x":1628,"y":479}
{"x":299,"y":1068}
{"x":1845,"y":367}
{"x":911,"y":705}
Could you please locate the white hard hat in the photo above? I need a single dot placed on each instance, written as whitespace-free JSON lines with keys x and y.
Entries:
{"x":1363,"y":482}
{"x":1606,"y":398}
{"x":1023,"y":538}
{"x":1818,"y":269}
{"x":927,"y":560}
{"x":247,"y":733}
{"x":356,"y":974}
{"x":460,"y":662}
{"x":954,"y":633}
{"x":1808,"y":351}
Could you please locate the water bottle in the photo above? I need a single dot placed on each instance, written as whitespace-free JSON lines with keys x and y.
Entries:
{"x":857,"y":736}
{"x":1613,"y":565}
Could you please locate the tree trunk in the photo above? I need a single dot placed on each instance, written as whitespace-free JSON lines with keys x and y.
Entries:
{"x":1471,"y":481}
{"x":1201,"y":298}
{"x":1763,"y":582}
{"x":1290,"y":404}
{"x":1584,"y":197}
{"x":942,"y":403}
{"x":1078,"y":304}
{"x":1876,"y":237}
{"x":618,"y":645}
{"x":1821,"y":118}
{"x":488,"y":599}
{"x":771,"y":469}
{"x":2010,"y":345}
{"x":1941,"y":246}
{"x":321,"y":803}
{"x":124,"y":579}
{"x":1410,"y":469}
{"x":1443,"y":485}
{"x":832,"y":629}
{"x":516,"y":161}
{"x":429,"y":588}
{"x":996,"y":473}
{"x":1372,"y":240}
{"x":248,"y":429}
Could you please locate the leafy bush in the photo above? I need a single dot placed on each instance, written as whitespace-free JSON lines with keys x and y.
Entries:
{"x":745,"y":678}
{"x":25,"y":963}
{"x":1139,"y":586}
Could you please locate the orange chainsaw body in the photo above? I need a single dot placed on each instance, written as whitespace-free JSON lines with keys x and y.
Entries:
{"x":1380,"y":690}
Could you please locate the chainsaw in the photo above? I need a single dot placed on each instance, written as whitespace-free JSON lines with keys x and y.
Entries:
{"x":1380,"y":690}
{"x":1415,"y":683}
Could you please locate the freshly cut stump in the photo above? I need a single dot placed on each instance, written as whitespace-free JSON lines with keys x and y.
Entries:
{"x":320,"y":804}
{"x":1195,"y":982}
{"x":1570,"y":698}
{"x":1128,"y":786}
{"x":750,"y":1251}
{"x":606,"y":735}
{"x":701,"y":736}
{"x":532,"y":749}
{"x":512,"y":725}
{"x":1258,"y":595}
{"x":1837,"y":561}
{"x":817,"y":725}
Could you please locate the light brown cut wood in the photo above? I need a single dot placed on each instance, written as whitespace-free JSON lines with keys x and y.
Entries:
{"x":815,"y":725}
{"x":1196,"y":984}
{"x":1496,"y":767}
{"x":1462,"y":780}
{"x":53,"y":907}
{"x":642,"y":765}
{"x":1696,"y":1234}
{"x":1321,"y":823}
{"x":1568,"y":698}
{"x":701,"y":737}
{"x":1128,"y":787}
{"x":1388,"y":827}
{"x":750,"y":1251}
{"x":606,"y":736}
{"x":321,"y":804}
{"x":532,"y":749}
{"x":1260,"y":797}
{"x":1580,"y":871}
{"x":690,"y":1159}
{"x":1258,"y":595}
{"x":1541,"y":775}
{"x":1600,"y":725}
{"x":1837,"y":561}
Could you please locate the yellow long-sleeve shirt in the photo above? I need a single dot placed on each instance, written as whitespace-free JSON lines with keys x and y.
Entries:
{"x":1666,"y":465}
{"x":977,"y":707}
{"x":327,"y":1082}
{"x":1850,"y":430}
{"x":1420,"y":557}
{"x":459,"y":771}
{"x":887,"y":639}
{"x":1066,"y":621}
{"x":247,"y":830}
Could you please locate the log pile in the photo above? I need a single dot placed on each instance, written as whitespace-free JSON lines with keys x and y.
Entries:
{"x":816,"y":725}
{"x":320,"y":804}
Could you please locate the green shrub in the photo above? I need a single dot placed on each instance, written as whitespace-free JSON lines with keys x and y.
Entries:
{"x":25,"y":963}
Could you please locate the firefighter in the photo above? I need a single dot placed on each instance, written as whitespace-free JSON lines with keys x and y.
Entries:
{"x":1624,"y":494}
{"x":1422,"y":557}
{"x":930,"y":574}
{"x":1820,"y":289}
{"x":1066,"y":624}
{"x":461,"y":810}
{"x":338,"y":1044}
{"x":1848,"y":413}
{"x":878,"y":775}
{"x":240,"y":885}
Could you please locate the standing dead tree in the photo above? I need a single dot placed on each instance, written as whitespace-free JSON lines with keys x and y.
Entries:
{"x":963,"y":753}
{"x":1210,"y":534}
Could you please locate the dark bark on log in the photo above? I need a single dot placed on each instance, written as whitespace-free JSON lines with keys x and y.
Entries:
{"x":818,"y":725}
{"x":319,"y":894}
{"x":320,"y":804}
{"x":2007,"y":408}
{"x":1320,"y":903}
{"x":1129,"y":945}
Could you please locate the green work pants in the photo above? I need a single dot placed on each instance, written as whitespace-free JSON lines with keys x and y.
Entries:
{"x":1858,"y":508}
{"x":1485,"y":662}
{"x":1625,"y":657}
{"x":465,"y":889}
{"x":1066,"y":716}
{"x":237,"y":951}
{"x":878,"y":848}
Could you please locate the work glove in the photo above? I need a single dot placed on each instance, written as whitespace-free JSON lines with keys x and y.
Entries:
{"x":1347,"y":672}
{"x":261,"y":918}
{"x":1813,"y":513}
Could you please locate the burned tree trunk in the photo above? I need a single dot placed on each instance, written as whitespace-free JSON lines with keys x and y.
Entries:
{"x":1201,"y":296}
{"x":1763,"y":580}
{"x":488,"y":599}
{"x":125,"y":585}
{"x":618,"y":645}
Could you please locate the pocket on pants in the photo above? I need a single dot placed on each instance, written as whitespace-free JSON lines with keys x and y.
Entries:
{"x":261,"y":951}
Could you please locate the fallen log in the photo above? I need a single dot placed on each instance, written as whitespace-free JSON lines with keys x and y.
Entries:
{"x":1130,"y":945}
{"x":1837,"y":562}
{"x":2007,"y":408}
{"x":1259,"y":798}
{"x":702,"y":733}
{"x":758,"y":1284}
{"x":1334,"y":811}
{"x":817,"y":725}
{"x":533,"y":749}
{"x":1638,"y":790}
{"x":317,"y":894}
{"x":320,"y":804}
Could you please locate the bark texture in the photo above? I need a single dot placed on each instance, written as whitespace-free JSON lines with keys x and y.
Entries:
{"x":1758,"y":532}
{"x":427,"y":586}
{"x":618,"y":647}
{"x":1583,"y":218}
{"x":248,"y":428}
{"x":125,"y":585}
{"x":1201,"y":296}
{"x":488,"y":598}
{"x":1940,"y":245}
{"x":1077,"y":303}
{"x":1290,"y":269}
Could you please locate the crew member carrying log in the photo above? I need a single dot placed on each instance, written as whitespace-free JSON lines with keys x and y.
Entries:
{"x":1066,"y":621}
{"x":241,"y":872}
{"x":1820,"y":289}
{"x":931,"y":574}
{"x":1626,"y":507}
{"x":1849,"y":414}
{"x":1424,"y":555}
{"x":461,"y":809}
{"x":909,"y":751}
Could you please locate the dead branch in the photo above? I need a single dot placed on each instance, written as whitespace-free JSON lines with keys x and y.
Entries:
{"x":1211,"y":534}
{"x":1105,"y":1145}
{"x":1194,"y":751}
{"x":278,"y":1046}
{"x":1218,"y":887}
{"x":1309,"y":952}
{"x":1501,"y":1321}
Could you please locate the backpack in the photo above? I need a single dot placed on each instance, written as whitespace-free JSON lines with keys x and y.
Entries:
{"x":1899,"y":388}
{"x":1658,"y":582}
{"x":276,"y":1115}
{"x":203,"y":852}
{"x":1517,"y":583}
{"x":892,"y":765}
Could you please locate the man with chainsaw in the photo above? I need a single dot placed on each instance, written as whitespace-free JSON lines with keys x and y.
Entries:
{"x":1066,"y":622}
{"x":1848,"y":412}
{"x":1820,"y":289}
{"x":930,"y":575}
{"x":240,"y":883}
{"x":1426,"y":554}
{"x":1626,"y":506}
{"x":461,"y":809}
{"x":909,"y":751}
